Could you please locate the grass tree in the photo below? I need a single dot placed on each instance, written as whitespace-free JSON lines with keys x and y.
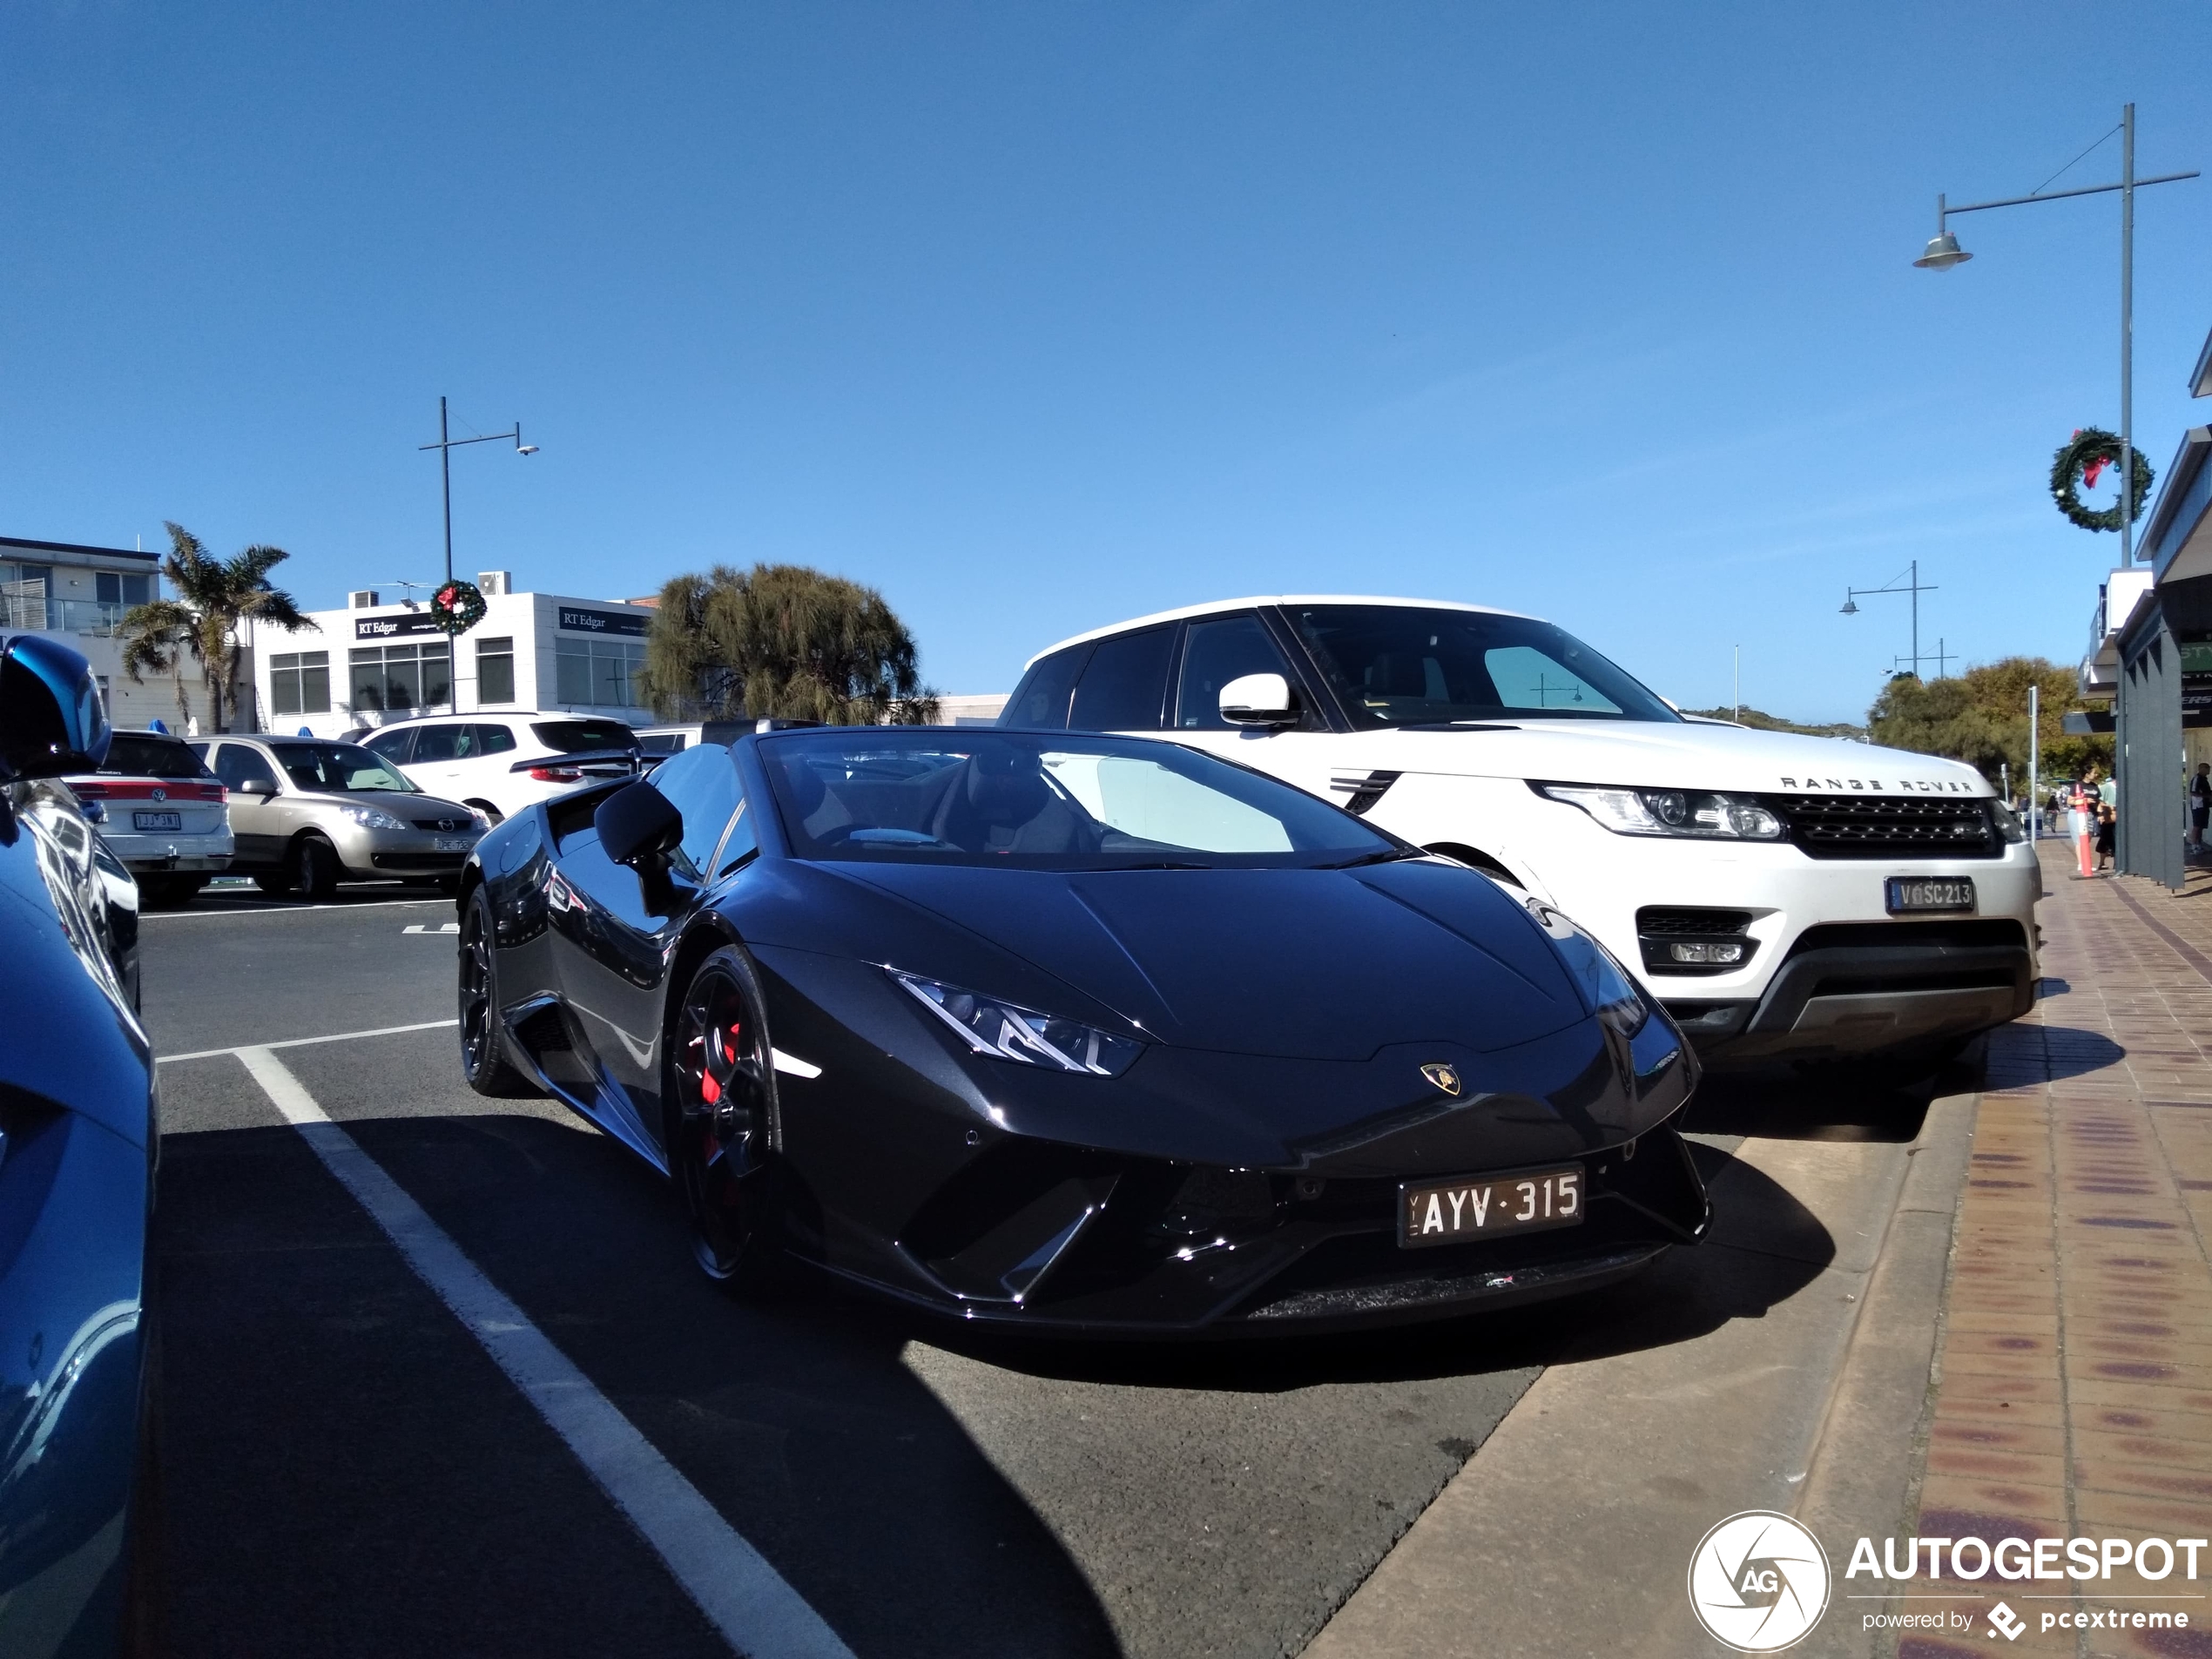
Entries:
{"x":205,"y":621}
{"x":782,"y":640}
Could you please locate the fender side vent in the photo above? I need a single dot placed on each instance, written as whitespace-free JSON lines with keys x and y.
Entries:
{"x":1361,"y":790}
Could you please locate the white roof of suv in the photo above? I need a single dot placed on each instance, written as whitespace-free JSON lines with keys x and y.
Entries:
{"x":1180,"y":612}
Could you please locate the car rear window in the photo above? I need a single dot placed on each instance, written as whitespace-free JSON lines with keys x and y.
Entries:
{"x":578,"y":737}
{"x":138,"y":754}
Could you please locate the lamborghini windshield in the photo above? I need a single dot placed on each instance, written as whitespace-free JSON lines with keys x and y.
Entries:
{"x":1053,"y":801}
{"x":1409,"y":665}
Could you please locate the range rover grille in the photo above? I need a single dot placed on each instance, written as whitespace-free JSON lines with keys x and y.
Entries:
{"x":1889,"y":826}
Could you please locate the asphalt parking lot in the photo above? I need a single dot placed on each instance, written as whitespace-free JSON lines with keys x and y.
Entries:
{"x":346,"y":1471}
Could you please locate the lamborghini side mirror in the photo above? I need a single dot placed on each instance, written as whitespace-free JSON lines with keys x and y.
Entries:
{"x":638,"y":825}
{"x":1259,"y":699}
{"x":51,"y":719}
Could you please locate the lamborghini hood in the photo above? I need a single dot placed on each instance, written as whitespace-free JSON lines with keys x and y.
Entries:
{"x":1302,"y":964}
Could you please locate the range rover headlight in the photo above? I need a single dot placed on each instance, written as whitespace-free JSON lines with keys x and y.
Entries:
{"x":1698,"y":813}
{"x":2008,"y":823}
{"x":1612,"y":994}
{"x":1008,"y":1031}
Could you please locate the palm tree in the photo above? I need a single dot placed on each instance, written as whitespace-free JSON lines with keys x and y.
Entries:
{"x":215,"y":597}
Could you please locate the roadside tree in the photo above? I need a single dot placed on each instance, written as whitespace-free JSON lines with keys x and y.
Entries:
{"x":782,"y":641}
{"x":214,"y":599}
{"x":1981,"y":717}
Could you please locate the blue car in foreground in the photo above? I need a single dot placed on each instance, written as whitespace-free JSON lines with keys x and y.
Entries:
{"x":78,"y":1144}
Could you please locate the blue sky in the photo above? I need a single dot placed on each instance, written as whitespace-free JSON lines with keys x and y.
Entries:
{"x":1040,"y":315}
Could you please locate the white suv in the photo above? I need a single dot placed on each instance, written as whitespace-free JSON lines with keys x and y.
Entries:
{"x":1784,"y":896}
{"x":501,"y":763}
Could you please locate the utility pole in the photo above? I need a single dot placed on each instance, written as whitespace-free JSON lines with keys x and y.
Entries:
{"x":2034,"y":759}
{"x":445,"y":446}
{"x":1913,"y":586}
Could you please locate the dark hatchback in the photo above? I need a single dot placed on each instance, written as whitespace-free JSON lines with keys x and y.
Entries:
{"x":1085,"y":1034}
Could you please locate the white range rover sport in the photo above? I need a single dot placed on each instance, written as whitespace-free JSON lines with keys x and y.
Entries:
{"x":1783,"y":896}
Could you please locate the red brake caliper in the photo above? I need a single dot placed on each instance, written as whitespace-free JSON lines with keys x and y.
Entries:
{"x":717,"y":1053}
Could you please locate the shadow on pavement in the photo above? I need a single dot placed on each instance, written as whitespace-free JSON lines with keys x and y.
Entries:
{"x":2067,"y":1051}
{"x":1818,"y":1105}
{"x":348,"y":1474}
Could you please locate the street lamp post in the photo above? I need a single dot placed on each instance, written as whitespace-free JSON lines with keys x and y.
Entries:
{"x":445,"y":446}
{"x":1944,"y":252}
{"x":1914,"y":586}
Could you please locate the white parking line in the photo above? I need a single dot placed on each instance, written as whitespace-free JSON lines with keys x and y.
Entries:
{"x":303,"y":1043}
{"x":280,"y":910}
{"x":742,"y":1595}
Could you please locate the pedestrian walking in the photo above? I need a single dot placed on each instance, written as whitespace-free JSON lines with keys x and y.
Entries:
{"x":2081,"y":822}
{"x":2107,"y":834}
{"x":2200,"y":804}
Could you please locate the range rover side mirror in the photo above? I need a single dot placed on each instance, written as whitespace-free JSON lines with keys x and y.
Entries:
{"x":638,"y":825}
{"x":1259,"y":699}
{"x":51,"y":719}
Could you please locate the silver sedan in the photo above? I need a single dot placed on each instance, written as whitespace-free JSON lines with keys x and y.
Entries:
{"x":308,"y":813}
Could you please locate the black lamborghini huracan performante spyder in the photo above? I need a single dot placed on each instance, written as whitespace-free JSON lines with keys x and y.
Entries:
{"x":1078,"y":1033}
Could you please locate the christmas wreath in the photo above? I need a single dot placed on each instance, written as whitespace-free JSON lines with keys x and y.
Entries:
{"x":457,"y":607}
{"x":2080,"y":461}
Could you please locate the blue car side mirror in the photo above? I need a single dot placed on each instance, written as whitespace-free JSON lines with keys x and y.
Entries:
{"x":51,"y":719}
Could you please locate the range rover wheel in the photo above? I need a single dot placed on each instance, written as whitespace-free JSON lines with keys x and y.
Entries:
{"x":724,"y":1109}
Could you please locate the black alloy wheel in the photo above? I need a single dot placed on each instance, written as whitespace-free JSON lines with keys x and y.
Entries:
{"x":484,"y":1059}
{"x":314,"y":874}
{"x":724,"y":1108}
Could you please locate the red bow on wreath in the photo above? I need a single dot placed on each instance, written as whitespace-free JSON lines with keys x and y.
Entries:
{"x":2095,"y":470}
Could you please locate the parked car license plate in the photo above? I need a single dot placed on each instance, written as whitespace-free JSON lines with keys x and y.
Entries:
{"x":156,"y":820}
{"x":1912,"y":892}
{"x":453,"y":843}
{"x":1451,"y":1212}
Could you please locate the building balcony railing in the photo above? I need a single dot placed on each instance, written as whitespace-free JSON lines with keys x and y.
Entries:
{"x":60,"y":616}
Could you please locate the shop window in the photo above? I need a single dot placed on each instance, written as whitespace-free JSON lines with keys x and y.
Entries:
{"x":598,"y":673}
{"x":299,"y":683}
{"x":496,"y":670}
{"x":400,"y":679}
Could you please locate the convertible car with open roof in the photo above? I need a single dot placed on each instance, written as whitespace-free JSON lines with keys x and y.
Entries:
{"x":1079,"y":1034}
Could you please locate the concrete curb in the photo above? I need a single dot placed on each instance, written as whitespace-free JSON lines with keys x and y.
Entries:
{"x":1569,"y":1533}
{"x":1865,"y":1476}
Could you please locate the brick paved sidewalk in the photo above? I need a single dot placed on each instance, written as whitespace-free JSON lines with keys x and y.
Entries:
{"x":2075,"y":1391}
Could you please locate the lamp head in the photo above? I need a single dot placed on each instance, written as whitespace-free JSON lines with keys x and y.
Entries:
{"x":525,"y":449}
{"x":1851,"y":606}
{"x":1944,"y":252}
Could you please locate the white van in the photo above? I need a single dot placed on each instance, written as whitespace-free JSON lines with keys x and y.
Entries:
{"x":1784,"y":896}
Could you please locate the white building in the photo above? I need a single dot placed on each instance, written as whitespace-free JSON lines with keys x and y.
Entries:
{"x":371,"y":662}
{"x":78,"y":595}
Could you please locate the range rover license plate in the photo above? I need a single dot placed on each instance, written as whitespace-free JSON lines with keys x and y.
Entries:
{"x":1918,"y":892}
{"x":156,"y":820}
{"x":1453,"y":1212}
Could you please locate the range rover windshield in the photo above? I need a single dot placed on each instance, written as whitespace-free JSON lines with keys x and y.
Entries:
{"x":1406,"y":666}
{"x":1026,"y":801}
